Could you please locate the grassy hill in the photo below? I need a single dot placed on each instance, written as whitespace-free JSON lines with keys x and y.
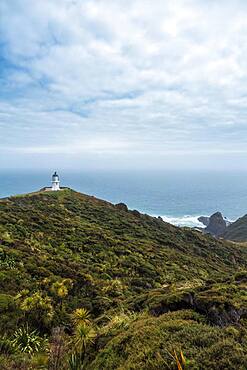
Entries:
{"x":152,"y":290}
{"x":237,"y":231}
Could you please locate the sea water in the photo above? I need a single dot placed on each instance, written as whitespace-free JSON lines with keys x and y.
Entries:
{"x":179,"y":197}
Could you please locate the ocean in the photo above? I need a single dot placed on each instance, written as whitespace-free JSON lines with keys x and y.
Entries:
{"x":179,"y":197}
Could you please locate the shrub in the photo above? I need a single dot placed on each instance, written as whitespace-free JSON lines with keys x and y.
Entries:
{"x":6,"y":345}
{"x":80,"y":317}
{"x":6,"y":302}
{"x":28,"y":341}
{"x":241,"y":276}
{"x":39,"y":308}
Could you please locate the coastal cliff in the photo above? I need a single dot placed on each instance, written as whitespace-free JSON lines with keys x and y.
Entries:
{"x":237,"y":231}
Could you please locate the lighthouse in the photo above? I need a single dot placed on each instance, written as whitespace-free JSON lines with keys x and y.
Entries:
{"x":55,"y":183}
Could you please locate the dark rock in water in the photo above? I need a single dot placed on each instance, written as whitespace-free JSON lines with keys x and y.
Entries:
{"x":204,"y":220}
{"x":122,"y":207}
{"x":217,"y":224}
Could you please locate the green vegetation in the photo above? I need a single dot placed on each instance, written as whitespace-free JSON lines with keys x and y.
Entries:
{"x":149,"y":343}
{"x":85,"y":284}
{"x":237,"y":231}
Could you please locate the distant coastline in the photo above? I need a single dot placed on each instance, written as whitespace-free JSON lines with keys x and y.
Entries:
{"x":186,"y":220}
{"x":179,"y":197}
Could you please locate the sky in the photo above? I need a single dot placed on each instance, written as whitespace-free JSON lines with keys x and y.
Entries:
{"x":118,"y":84}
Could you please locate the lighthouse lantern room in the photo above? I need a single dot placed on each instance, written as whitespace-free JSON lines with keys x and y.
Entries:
{"x":55,"y":182}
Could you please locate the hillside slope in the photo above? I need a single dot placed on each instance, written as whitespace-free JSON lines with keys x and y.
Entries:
{"x":237,"y":231}
{"x":65,"y":250}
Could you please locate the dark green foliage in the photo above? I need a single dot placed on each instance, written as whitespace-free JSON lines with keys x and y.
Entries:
{"x":241,"y":276}
{"x":151,"y":288}
{"x":74,"y":362}
{"x":149,"y":343}
{"x":6,"y":345}
{"x":70,"y":235}
{"x":27,"y":341}
{"x":7,"y":302}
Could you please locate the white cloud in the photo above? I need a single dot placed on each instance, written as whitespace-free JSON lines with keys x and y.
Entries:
{"x":150,"y":74}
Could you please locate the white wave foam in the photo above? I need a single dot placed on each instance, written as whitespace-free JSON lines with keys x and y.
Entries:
{"x":186,"y":220}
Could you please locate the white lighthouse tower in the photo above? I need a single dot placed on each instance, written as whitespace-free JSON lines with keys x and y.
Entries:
{"x":55,"y":182}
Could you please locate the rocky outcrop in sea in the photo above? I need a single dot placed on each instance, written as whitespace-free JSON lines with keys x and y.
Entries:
{"x":216,"y":224}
